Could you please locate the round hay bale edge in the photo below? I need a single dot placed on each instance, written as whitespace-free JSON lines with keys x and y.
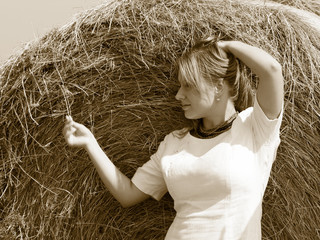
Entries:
{"x":112,"y":68}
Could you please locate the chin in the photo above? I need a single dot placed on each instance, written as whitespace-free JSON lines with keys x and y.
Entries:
{"x":190,"y":116}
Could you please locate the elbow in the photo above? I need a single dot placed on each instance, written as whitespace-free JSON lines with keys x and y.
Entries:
{"x":272,"y":70}
{"x":125,"y":204}
{"x":275,"y":68}
{"x":130,"y":196}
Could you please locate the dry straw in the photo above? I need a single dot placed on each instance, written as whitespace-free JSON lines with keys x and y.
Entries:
{"x":112,"y":68}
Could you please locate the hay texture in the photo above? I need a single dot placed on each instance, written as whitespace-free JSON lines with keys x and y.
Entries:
{"x":112,"y":69}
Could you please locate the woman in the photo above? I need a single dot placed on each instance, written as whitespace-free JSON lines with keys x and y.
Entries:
{"x":218,"y":170}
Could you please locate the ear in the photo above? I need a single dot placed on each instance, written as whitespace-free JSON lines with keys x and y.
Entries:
{"x":219,"y":86}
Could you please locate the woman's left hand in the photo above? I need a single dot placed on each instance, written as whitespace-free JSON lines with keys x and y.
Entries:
{"x":223,"y":45}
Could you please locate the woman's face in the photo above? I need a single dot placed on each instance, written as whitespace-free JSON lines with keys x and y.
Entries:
{"x":196,"y":103}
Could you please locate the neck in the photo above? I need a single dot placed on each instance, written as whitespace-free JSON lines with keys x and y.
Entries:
{"x":226,"y":111}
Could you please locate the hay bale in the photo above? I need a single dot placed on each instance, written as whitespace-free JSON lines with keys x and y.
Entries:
{"x":312,"y":6}
{"x":112,"y":69}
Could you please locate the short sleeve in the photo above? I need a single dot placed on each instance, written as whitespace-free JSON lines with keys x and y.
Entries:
{"x":149,"y":178}
{"x":265,"y":130}
{"x":266,"y":133}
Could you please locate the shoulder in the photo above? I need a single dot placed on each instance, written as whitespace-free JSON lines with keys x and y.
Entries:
{"x":254,"y":120}
{"x":245,"y":114}
{"x":175,"y":136}
{"x":243,"y":118}
{"x":179,"y":134}
{"x":256,"y":113}
{"x":170,"y":143}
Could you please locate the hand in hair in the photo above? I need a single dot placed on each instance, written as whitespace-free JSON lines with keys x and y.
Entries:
{"x":268,"y":69}
{"x":223,"y":46}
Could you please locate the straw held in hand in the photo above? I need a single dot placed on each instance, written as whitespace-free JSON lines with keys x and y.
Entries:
{"x":76,"y":134}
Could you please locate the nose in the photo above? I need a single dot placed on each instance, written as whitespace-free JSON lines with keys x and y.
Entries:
{"x":180,"y":95}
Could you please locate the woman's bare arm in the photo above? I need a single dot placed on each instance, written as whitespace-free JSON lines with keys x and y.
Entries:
{"x":269,"y":71}
{"x":116,"y":182}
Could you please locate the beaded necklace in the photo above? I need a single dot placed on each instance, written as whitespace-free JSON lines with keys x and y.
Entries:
{"x":200,"y":132}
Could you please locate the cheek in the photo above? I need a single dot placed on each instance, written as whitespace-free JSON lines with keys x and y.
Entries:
{"x":206,"y":101}
{"x":209,"y":96}
{"x":197,"y":110}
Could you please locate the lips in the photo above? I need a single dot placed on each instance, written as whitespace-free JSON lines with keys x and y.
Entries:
{"x":185,"y":106}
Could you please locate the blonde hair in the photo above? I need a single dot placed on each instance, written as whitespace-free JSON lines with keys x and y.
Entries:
{"x":206,"y":63}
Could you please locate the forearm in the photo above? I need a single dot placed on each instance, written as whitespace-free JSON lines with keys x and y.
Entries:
{"x":116,"y":182}
{"x":270,"y":87}
{"x":120,"y":186}
{"x":259,"y":61}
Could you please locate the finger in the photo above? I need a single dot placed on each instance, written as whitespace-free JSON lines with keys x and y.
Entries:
{"x":68,"y":131}
{"x":66,"y":128}
{"x":70,"y":138}
{"x":74,"y":141}
{"x":69,"y":119}
{"x":69,"y":122}
{"x":79,"y":126}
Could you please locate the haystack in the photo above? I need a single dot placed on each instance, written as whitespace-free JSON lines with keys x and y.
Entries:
{"x":112,"y":69}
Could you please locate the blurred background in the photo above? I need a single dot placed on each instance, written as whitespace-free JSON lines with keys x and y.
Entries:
{"x":22,"y":21}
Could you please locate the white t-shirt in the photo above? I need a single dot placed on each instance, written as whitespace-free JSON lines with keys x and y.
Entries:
{"x":217,"y":184}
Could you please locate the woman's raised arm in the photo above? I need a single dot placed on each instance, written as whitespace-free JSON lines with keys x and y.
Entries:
{"x":269,"y":71}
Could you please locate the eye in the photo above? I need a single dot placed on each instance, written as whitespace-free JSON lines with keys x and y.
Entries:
{"x":186,"y":85}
